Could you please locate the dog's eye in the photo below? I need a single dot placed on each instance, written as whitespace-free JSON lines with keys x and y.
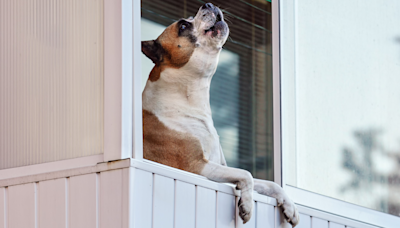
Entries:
{"x":183,"y":26}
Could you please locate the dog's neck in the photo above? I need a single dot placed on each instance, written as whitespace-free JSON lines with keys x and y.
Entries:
{"x":179,"y":90}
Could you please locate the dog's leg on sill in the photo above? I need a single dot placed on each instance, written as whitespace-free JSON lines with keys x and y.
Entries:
{"x":243,"y":180}
{"x":272,"y":189}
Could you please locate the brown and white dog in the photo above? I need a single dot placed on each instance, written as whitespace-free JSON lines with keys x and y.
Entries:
{"x":178,"y":129}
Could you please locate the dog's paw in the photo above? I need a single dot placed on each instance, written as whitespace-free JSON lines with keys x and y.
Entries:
{"x":245,"y":209}
{"x":289,"y":211}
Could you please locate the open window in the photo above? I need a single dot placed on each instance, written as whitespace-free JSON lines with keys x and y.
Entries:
{"x":241,"y":89}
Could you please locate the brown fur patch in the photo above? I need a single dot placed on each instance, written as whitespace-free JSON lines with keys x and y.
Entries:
{"x":176,"y":51}
{"x":175,"y":56}
{"x":155,"y":73}
{"x":170,"y":147}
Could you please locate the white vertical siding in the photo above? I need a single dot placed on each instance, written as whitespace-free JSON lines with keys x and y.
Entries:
{"x":163,"y":202}
{"x":21,"y":208}
{"x":52,"y":206}
{"x":265,"y":215}
{"x":305,"y":221}
{"x":51,"y":80}
{"x":226,"y":210}
{"x":335,"y":225}
{"x":142,"y":198}
{"x":83,"y":204}
{"x":319,"y":223}
{"x":206,"y":207}
{"x":2,"y":207}
{"x":185,"y":205}
{"x":111,"y":197}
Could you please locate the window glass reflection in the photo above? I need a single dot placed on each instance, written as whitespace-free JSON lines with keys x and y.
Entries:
{"x":347,"y":112}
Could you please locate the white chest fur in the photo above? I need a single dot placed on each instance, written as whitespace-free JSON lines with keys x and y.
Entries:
{"x":181,"y":102}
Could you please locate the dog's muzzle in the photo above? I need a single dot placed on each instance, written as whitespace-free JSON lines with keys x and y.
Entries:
{"x":218,"y":27}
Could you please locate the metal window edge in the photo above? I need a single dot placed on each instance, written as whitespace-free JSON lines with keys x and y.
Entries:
{"x":328,"y":207}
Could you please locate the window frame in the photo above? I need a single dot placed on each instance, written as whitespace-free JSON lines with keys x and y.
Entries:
{"x":287,"y":31}
{"x":123,"y":134}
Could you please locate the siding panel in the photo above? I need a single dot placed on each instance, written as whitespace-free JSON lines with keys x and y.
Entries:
{"x":205,"y":207}
{"x":2,"y":207}
{"x":225,"y":210}
{"x":185,"y":205}
{"x":83,"y":201}
{"x":318,"y":223}
{"x":21,"y":207}
{"x":143,"y":198}
{"x":305,"y":221}
{"x":163,"y":202}
{"x":51,"y":203}
{"x":265,"y":215}
{"x":51,"y":80}
{"x":130,"y":197}
{"x":111,"y":194}
{"x":335,"y":225}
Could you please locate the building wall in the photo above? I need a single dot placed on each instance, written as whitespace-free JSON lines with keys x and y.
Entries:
{"x":51,"y":81}
{"x":131,"y":193}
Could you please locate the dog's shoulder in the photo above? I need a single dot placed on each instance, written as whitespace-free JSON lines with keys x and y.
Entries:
{"x":170,"y":147}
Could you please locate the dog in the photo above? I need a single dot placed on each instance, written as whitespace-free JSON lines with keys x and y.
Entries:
{"x":178,"y":129}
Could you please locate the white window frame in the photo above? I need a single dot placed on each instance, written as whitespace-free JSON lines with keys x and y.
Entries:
{"x":123,"y":135}
{"x":287,"y":31}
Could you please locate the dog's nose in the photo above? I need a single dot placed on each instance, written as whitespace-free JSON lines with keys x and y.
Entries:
{"x":208,"y":6}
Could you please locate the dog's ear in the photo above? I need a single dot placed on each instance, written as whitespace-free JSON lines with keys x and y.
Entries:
{"x":153,"y":50}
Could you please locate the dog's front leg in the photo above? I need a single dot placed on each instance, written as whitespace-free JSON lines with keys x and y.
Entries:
{"x":243,"y":180}
{"x":272,"y":189}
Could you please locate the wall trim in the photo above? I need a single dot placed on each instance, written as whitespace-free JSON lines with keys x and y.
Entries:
{"x":48,"y":167}
{"x":60,"y":171}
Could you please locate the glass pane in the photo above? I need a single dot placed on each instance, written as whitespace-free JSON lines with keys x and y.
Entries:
{"x":51,"y":81}
{"x":347,"y":96}
{"x":241,"y":90}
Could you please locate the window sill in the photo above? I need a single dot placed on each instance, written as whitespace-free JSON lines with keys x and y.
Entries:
{"x":340,"y":211}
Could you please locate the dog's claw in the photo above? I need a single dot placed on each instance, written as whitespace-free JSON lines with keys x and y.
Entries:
{"x":245,"y":210}
{"x":289,"y":211}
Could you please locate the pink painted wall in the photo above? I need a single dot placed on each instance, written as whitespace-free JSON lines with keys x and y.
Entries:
{"x":51,"y":80}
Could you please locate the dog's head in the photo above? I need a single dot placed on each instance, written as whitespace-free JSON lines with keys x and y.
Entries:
{"x":194,"y":42}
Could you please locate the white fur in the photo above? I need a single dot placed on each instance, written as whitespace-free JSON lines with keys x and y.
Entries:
{"x":180,"y":99}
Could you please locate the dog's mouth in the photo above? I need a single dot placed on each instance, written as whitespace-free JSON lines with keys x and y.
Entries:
{"x":217,"y":20}
{"x":209,"y":22}
{"x":218,"y":25}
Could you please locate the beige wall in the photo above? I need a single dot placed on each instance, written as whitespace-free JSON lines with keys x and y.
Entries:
{"x":51,"y":80}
